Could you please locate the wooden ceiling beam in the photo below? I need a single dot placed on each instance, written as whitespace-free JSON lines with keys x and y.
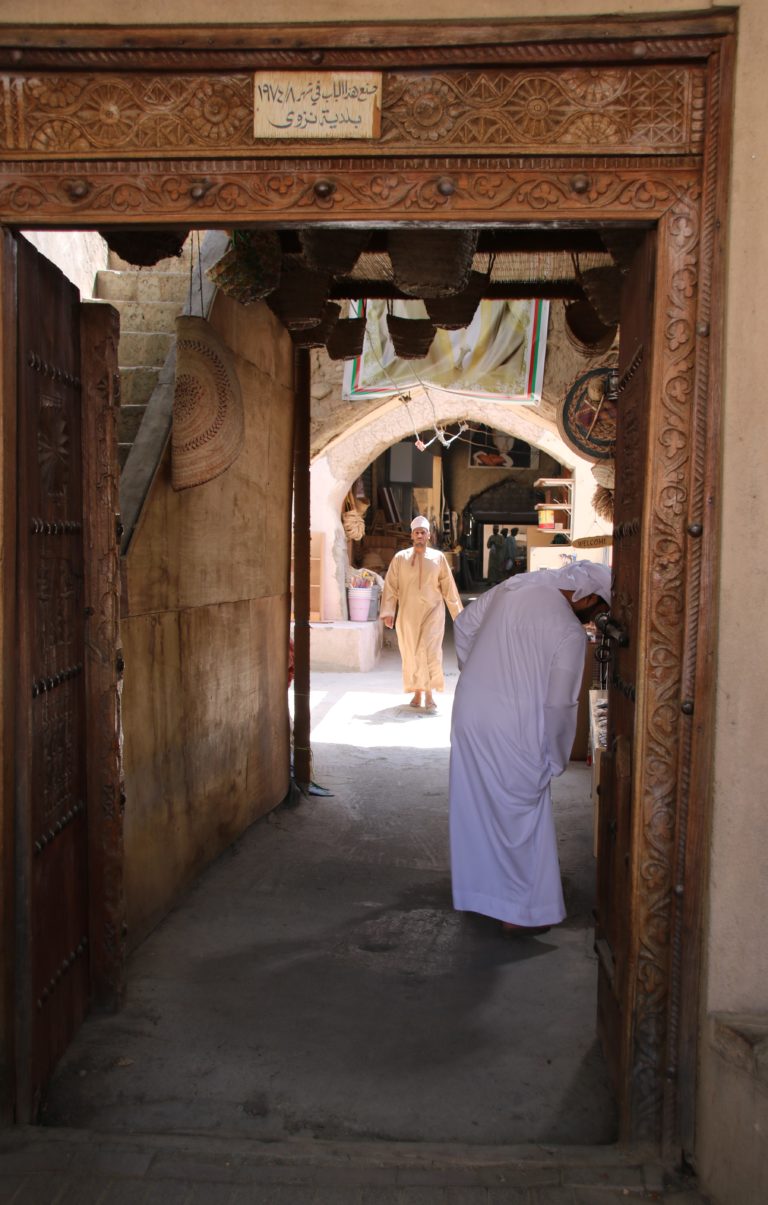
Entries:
{"x":347,"y":288}
{"x":497,"y":241}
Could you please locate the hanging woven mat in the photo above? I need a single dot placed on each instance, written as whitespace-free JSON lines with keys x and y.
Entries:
{"x":333,"y":251}
{"x":208,"y":423}
{"x":318,"y":335}
{"x":411,"y":337}
{"x":346,"y":339}
{"x":298,"y":301}
{"x":250,"y":269}
{"x":431,"y":263}
{"x":454,"y":313}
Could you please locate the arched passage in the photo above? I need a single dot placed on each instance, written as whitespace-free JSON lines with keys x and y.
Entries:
{"x":345,"y":457}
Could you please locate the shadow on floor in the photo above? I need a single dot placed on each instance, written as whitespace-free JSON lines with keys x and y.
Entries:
{"x":317,"y":982}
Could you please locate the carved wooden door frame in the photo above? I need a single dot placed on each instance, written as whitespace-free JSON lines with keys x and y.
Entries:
{"x":515,"y":123}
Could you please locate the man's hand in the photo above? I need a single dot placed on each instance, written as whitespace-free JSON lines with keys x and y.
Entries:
{"x":389,"y":621}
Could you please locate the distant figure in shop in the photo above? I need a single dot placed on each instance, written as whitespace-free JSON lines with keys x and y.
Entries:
{"x":419,"y":586}
{"x":495,"y":543}
{"x":521,"y":651}
{"x":510,"y":550}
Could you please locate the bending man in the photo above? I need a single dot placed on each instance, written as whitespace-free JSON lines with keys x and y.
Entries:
{"x":419,"y":585}
{"x":521,"y":650}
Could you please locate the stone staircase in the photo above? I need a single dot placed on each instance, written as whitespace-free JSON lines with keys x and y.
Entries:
{"x":148,"y":300}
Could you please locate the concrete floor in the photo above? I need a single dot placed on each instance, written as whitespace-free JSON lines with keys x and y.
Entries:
{"x":316,"y":983}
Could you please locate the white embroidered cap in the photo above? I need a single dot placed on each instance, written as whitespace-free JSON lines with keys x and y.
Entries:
{"x":586,"y":577}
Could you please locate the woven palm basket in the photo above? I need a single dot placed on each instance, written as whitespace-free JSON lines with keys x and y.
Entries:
{"x":454,"y":313}
{"x":333,"y":251}
{"x":298,"y":301}
{"x":208,"y":422}
{"x":250,"y":269}
{"x":411,"y":337}
{"x":346,"y":339}
{"x":431,"y":263}
{"x":318,"y":335}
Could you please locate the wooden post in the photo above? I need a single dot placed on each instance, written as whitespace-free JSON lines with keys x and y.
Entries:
{"x":8,"y":686}
{"x":99,"y":333}
{"x":302,"y":754}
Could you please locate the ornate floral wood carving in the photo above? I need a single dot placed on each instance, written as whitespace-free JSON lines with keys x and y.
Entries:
{"x":200,"y":193}
{"x":671,"y":471}
{"x":642,"y":109}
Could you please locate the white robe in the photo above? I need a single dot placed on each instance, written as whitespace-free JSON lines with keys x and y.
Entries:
{"x":521,"y":653}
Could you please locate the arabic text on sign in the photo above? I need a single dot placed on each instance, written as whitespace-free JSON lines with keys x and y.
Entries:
{"x":308,"y":105}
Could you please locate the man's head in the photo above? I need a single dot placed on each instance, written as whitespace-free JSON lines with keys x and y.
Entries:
{"x":505,"y":531}
{"x":587,"y":586}
{"x":514,"y":531}
{"x":495,"y":529}
{"x":420,"y":532}
{"x":588,"y":608}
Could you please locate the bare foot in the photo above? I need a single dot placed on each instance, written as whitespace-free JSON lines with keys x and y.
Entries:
{"x":429,"y":703}
{"x":416,"y":700}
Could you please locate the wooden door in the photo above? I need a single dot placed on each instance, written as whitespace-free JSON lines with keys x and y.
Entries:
{"x":52,"y":981}
{"x":614,"y":918}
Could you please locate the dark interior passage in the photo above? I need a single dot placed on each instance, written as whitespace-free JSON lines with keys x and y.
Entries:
{"x":317,"y":983}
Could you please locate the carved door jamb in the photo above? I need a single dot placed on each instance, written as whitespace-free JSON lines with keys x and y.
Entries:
{"x":685,"y":197}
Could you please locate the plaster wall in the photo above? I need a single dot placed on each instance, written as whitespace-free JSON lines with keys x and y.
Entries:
{"x":206,"y":611}
{"x":79,"y":254}
{"x":146,"y":12}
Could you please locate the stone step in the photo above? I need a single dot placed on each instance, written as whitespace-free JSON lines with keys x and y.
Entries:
{"x":144,"y":285}
{"x":148,"y":315}
{"x":128,"y":423}
{"x":142,"y":348}
{"x":137,"y":384}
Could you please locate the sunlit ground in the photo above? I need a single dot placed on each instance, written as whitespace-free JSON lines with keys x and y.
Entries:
{"x":375,"y":719}
{"x":371,"y":710}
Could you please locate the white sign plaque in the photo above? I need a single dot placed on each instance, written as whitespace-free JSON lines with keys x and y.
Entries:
{"x":317,"y":104}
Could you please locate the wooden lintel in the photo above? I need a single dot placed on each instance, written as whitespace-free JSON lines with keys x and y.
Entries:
{"x":366,"y":36}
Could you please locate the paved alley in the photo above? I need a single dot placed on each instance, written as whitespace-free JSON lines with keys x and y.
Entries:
{"x":314,"y":1023}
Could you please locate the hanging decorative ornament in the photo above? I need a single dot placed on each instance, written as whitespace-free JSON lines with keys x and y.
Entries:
{"x":586,"y":419}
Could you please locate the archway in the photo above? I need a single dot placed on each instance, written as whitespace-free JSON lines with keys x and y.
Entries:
{"x":345,"y":457}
